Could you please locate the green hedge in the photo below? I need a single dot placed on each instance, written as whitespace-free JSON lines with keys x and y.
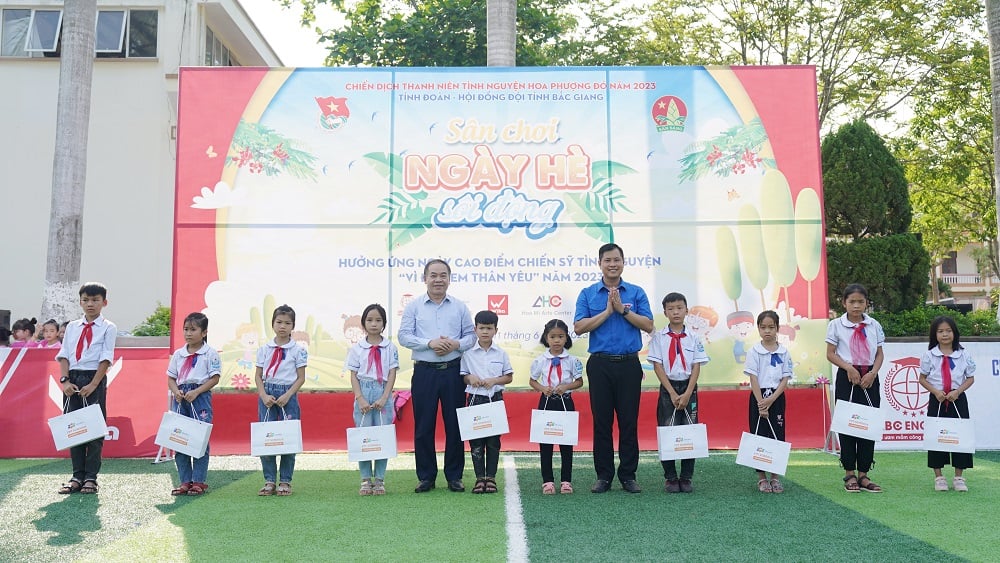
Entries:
{"x":917,"y":322}
{"x":157,"y":324}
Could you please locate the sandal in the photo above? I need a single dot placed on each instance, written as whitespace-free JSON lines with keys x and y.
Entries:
{"x":181,"y":490}
{"x":73,"y":486}
{"x":566,"y":488}
{"x":776,"y":486}
{"x":548,"y":488}
{"x":378,"y":488}
{"x":197,"y":489}
{"x":366,"y":488}
{"x":480,"y":487}
{"x":851,"y":484}
{"x":764,"y":486}
{"x":266,"y":491}
{"x":284,"y":490}
{"x":870,"y":486}
{"x":491,"y":485}
{"x":89,"y":487}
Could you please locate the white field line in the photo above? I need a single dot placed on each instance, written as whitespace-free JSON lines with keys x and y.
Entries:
{"x":517,"y":538}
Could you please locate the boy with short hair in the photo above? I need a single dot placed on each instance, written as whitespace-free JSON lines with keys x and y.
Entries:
{"x":485,"y":368}
{"x":677,"y":357}
{"x":87,"y":353}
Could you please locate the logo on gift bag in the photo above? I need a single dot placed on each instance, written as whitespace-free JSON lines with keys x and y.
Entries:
{"x":75,"y":429}
{"x":763,"y":455}
{"x":479,"y":422}
{"x":178,"y":436}
{"x":370,"y":444}
{"x":272,"y":439}
{"x":946,"y":437}
{"x":858,"y":422}
{"x":682,"y":444}
{"x":553,"y":429}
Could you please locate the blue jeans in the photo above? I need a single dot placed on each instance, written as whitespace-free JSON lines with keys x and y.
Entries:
{"x":193,"y":469}
{"x":291,"y":412}
{"x":372,"y":390}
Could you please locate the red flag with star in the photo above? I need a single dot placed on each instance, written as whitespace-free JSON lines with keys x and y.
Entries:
{"x":332,"y":106}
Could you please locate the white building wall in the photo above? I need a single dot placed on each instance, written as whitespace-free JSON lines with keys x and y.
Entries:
{"x":128,"y":207}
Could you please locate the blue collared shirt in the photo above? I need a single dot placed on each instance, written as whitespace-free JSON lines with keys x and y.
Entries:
{"x":615,"y":335}
{"x":424,"y":320}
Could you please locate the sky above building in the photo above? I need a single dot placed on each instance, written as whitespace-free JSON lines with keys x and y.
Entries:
{"x":296,"y":45}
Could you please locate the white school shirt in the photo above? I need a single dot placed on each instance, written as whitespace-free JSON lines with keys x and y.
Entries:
{"x":768,"y":372}
{"x":840,"y":330}
{"x":295,"y":356}
{"x":101,"y":348}
{"x":357,"y":360}
{"x":541,"y":367}
{"x":694,"y":353}
{"x":930,"y":366}
{"x":485,"y":363}
{"x":206,"y":365}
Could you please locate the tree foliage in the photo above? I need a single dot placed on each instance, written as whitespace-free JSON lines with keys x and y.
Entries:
{"x":869,"y":55}
{"x":948,"y":156}
{"x":893,"y":268}
{"x":864,"y":185}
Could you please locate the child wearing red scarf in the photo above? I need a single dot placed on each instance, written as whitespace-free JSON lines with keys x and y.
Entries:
{"x":946,"y":371}
{"x":373,"y":362}
{"x":854,"y":344}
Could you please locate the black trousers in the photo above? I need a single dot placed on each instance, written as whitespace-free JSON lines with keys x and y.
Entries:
{"x":429,"y":386}
{"x":86,"y":458}
{"x":775,"y":415}
{"x":664,"y":412}
{"x":555,"y":403}
{"x":958,"y":409}
{"x":485,"y":451}
{"x":615,"y":388}
{"x":857,"y":453}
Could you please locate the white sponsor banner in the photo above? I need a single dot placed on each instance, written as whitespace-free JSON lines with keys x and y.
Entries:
{"x":904,"y":401}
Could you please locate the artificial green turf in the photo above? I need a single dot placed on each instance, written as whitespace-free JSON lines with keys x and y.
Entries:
{"x":727,"y":519}
{"x":135,"y":519}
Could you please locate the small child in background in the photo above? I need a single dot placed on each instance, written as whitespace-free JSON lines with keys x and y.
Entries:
{"x":50,"y":335}
{"x":281,"y":371}
{"x":677,"y":357}
{"x":24,"y":333}
{"x":555,"y":374}
{"x":194,"y":369}
{"x":946,"y":372}
{"x":485,"y":368}
{"x":62,"y":330}
{"x":769,"y":367}
{"x":373,"y":362}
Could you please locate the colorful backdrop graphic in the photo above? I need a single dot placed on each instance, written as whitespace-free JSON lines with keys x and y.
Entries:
{"x":328,"y":189}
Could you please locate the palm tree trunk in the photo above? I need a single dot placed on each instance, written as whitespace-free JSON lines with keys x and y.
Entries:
{"x":501,"y":32}
{"x":993,"y":27}
{"x":69,"y":167}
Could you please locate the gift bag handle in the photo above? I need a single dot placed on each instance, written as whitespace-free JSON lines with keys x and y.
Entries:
{"x":194,"y":413}
{"x":545,"y":406}
{"x":674,"y":413}
{"x":373,"y":417}
{"x":267,"y":414}
{"x":773,"y":433}
{"x":958,"y":412}
{"x":867,"y":396}
{"x":68,"y":397}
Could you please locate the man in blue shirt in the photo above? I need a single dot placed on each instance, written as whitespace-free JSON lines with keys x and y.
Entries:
{"x":614,"y":312}
{"x":437,"y":328}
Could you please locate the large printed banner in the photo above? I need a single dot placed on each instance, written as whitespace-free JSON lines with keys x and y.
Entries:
{"x":329,"y":189}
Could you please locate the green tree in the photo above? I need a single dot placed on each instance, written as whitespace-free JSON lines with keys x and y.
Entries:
{"x":864,"y":185}
{"x":870,"y":55}
{"x":893,"y":268}
{"x":948,"y":156}
{"x":438,"y":32}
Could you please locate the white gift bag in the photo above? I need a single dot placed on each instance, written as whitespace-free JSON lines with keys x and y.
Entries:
{"x":483,"y":420}
{"x":762,"y":453}
{"x":78,"y":427}
{"x":367,"y":443}
{"x":554,"y":427}
{"x":682,"y":441}
{"x":949,"y":434}
{"x":277,"y":437}
{"x":183,"y":434}
{"x":858,"y":420}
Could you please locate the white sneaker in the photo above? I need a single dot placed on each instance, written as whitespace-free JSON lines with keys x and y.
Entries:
{"x":940,"y":484}
{"x":959,"y":484}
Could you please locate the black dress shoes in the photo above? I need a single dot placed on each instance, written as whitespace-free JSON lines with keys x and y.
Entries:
{"x":424,"y":486}
{"x":631,"y":486}
{"x":456,"y":486}
{"x":601,"y":486}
